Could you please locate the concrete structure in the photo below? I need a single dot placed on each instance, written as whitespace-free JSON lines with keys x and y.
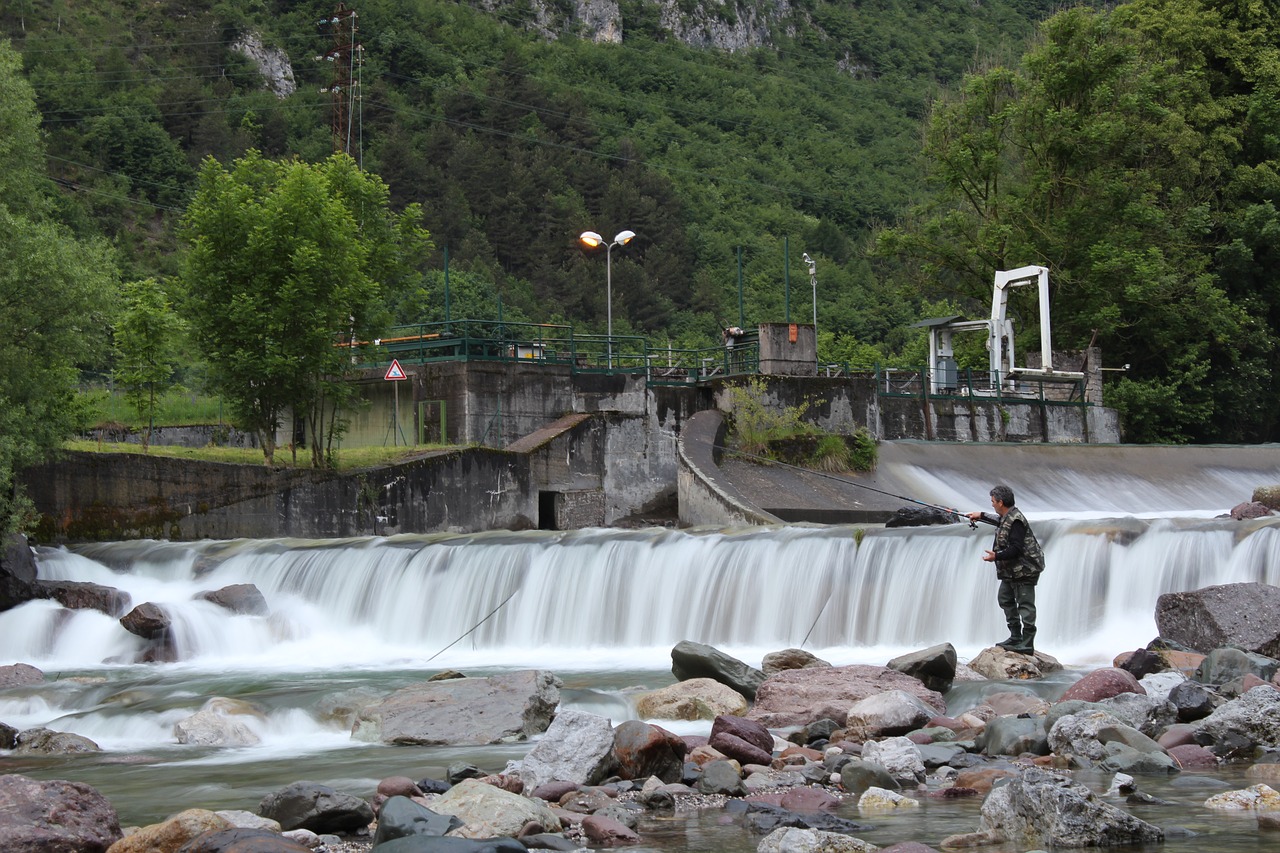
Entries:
{"x":537,"y":445}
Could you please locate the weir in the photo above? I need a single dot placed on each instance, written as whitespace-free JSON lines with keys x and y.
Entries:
{"x":608,"y":599}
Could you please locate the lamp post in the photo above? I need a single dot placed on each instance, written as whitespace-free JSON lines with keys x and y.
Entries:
{"x":813,"y":279}
{"x":592,"y":240}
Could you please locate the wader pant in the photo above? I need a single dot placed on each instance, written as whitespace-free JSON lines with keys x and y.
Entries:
{"x":1018,"y":601}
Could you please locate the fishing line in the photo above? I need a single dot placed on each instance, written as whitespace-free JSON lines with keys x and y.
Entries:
{"x":948,"y":510}
{"x":473,"y":627}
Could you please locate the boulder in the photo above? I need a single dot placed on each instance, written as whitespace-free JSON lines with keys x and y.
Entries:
{"x":148,"y":621}
{"x":242,"y":598}
{"x":641,"y":751}
{"x":36,"y":817}
{"x":798,"y":697}
{"x":578,"y":747}
{"x":894,"y":712}
{"x":1190,"y":756}
{"x":1102,"y":684}
{"x":1255,"y":716}
{"x":471,"y":711}
{"x":19,"y":675}
{"x":487,"y":811}
{"x":881,"y":800}
{"x":1122,"y":758}
{"x":221,"y":722}
{"x":1262,"y":798}
{"x":790,"y":659}
{"x":721,"y":777}
{"x":934,"y":666}
{"x":1000,"y":664}
{"x":857,"y":775}
{"x":1250,"y":509}
{"x":242,"y":819}
{"x":430,"y":844}
{"x":243,"y":840}
{"x":8,"y":736}
{"x":48,"y":742}
{"x":319,"y":808}
{"x":1268,"y":496}
{"x":1140,"y":663}
{"x":695,"y":660}
{"x":898,"y":756}
{"x":1043,"y":809}
{"x":1223,"y":666}
{"x":1014,"y":736}
{"x":400,"y":817}
{"x":79,"y":595}
{"x":1159,"y":685}
{"x":792,"y":839}
{"x":171,"y":834}
{"x":1192,"y":701}
{"x":18,"y":583}
{"x":694,"y":699}
{"x":1148,"y":714}
{"x":605,"y":831}
{"x":1240,"y":614}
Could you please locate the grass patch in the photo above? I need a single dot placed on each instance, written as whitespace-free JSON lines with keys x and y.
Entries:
{"x":348,"y":459}
{"x":174,"y":407}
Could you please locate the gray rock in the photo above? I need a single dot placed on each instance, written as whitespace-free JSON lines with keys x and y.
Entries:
{"x":1255,"y":716}
{"x":1014,"y":736}
{"x":242,"y":840}
{"x":19,"y":675}
{"x":695,"y":699}
{"x":790,"y":659}
{"x":934,"y":666}
{"x":578,"y":747}
{"x":894,"y":712}
{"x":1043,"y":809}
{"x":793,"y":839}
{"x":18,"y":583}
{"x":1077,"y":735}
{"x":474,"y":711}
{"x":428,"y":844}
{"x":696,"y":660}
{"x":242,"y":598}
{"x":78,"y":595}
{"x":211,"y":727}
{"x":1241,"y":614}
{"x":148,"y":621}
{"x":1221,"y":666}
{"x":1122,"y":758}
{"x":857,"y":775}
{"x":899,"y":756}
{"x":39,"y":817}
{"x":721,"y":777}
{"x":319,"y":808}
{"x":1148,"y":714}
{"x":488,"y":812}
{"x":401,"y":817}
{"x":47,"y":742}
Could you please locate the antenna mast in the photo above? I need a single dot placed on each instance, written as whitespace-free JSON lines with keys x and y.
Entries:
{"x":347,"y":56}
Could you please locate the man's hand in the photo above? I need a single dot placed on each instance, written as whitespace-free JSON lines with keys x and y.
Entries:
{"x":989,"y":557}
{"x":974,"y":516}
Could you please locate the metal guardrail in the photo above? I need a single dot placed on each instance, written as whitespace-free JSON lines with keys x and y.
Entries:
{"x":489,"y":340}
{"x":1014,"y":386}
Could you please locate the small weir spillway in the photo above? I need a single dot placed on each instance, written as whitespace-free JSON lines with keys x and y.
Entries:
{"x":601,"y":608}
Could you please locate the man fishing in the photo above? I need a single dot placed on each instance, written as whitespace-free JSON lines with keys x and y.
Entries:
{"x":1019,"y":561}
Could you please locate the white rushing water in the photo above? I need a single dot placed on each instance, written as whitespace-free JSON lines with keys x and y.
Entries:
{"x":608,"y":599}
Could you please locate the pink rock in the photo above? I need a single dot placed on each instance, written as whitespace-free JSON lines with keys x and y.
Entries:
{"x":607,"y":832}
{"x":398,"y":786}
{"x":797,"y":697}
{"x":1103,"y":684}
{"x":1177,"y":735}
{"x":809,"y":800}
{"x":1190,"y":756}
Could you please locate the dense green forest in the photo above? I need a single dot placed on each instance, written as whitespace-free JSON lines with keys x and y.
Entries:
{"x":910,"y":148}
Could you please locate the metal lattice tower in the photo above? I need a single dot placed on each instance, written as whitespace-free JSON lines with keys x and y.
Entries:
{"x":344,"y":93}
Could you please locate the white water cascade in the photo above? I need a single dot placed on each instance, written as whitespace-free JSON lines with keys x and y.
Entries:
{"x":609,"y":599}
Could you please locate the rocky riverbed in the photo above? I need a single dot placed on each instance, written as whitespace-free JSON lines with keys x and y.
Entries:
{"x":802,"y":755}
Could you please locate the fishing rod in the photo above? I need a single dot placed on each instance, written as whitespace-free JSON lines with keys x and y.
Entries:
{"x":948,"y":510}
{"x":475,"y":626}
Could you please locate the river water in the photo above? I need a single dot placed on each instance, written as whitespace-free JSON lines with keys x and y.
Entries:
{"x":601,"y":609}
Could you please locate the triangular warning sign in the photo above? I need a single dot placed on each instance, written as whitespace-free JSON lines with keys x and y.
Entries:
{"x":395,"y":371}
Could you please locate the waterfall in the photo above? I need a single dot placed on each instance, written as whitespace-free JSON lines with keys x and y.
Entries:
{"x":601,"y":599}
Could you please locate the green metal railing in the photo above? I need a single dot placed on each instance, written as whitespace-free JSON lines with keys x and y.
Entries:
{"x":490,"y":340}
{"x":980,"y":384}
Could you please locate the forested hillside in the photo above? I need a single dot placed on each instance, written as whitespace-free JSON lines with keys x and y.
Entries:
{"x":910,"y":148}
{"x":516,"y":131}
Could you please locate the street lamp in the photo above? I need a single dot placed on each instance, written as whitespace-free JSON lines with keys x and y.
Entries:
{"x":813,"y":279}
{"x":592,"y":240}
